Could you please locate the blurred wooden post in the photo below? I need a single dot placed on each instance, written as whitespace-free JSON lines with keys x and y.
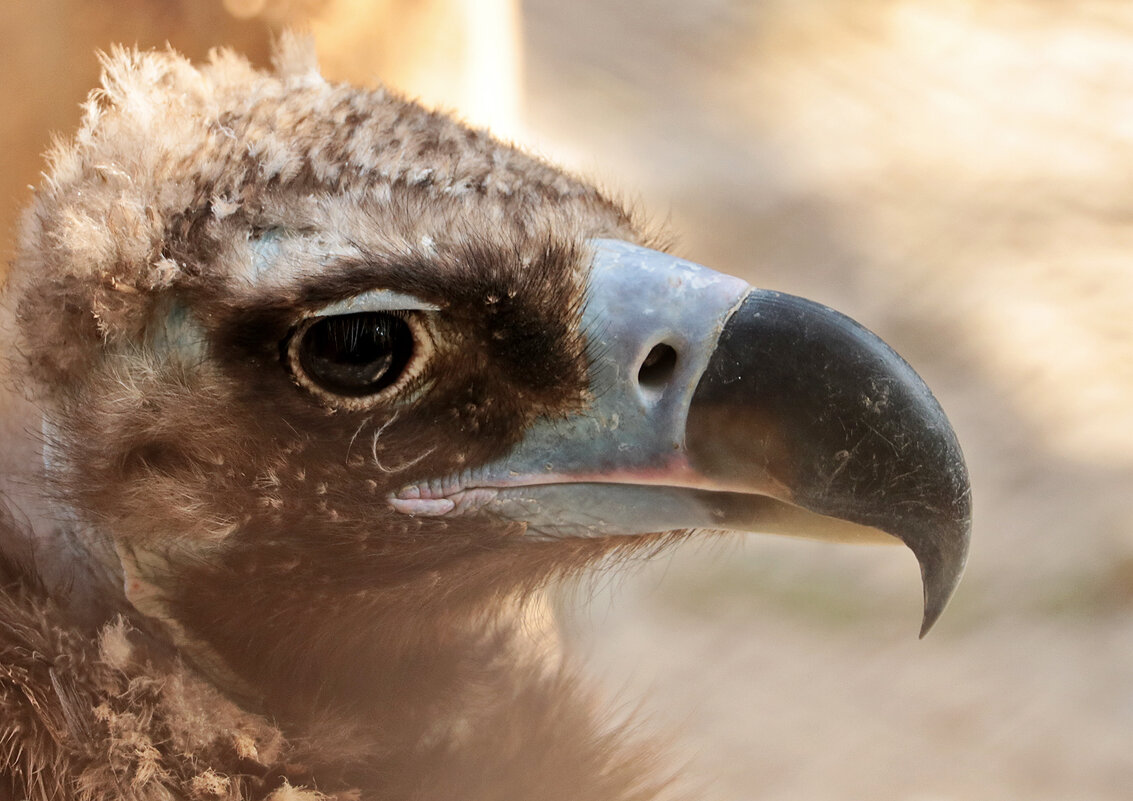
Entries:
{"x":460,"y":55}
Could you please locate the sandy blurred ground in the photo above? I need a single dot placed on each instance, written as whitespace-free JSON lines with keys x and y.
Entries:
{"x":959,"y":177}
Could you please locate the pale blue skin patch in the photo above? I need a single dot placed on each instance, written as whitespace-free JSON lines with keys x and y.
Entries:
{"x":376,"y":300}
{"x":178,"y":333}
{"x":267,"y":249}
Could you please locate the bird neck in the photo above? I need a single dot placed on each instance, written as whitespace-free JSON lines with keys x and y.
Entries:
{"x":401,"y":702}
{"x":426,"y":704}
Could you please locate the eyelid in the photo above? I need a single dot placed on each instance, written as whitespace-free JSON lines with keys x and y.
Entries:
{"x":423,"y":349}
{"x":376,"y":300}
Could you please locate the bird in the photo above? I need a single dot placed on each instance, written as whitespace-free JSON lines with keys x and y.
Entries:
{"x":309,"y":396}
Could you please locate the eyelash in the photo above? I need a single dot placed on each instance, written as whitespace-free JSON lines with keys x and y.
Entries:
{"x":345,"y":360}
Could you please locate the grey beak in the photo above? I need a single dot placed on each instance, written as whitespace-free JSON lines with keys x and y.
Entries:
{"x":803,"y":397}
{"x":716,"y":405}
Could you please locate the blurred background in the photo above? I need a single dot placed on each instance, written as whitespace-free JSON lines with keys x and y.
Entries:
{"x":956,"y":175}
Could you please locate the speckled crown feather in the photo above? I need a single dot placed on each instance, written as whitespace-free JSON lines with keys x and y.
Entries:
{"x":176,"y":170}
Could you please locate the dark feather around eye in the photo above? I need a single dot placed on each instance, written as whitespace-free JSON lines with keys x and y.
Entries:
{"x":354,"y":355}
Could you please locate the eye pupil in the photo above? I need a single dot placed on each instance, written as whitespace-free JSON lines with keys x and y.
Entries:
{"x":355,"y":354}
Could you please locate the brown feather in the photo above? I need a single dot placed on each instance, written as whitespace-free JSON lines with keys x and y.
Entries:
{"x":281,"y":633}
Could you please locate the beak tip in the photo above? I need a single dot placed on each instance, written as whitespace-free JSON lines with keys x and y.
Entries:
{"x":941,"y":569}
{"x":933,"y":608}
{"x":931,"y":615}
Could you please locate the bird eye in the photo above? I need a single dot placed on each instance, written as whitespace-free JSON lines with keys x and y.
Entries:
{"x":353,"y":355}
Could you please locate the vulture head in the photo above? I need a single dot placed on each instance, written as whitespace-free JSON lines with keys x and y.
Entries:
{"x":320,"y":389}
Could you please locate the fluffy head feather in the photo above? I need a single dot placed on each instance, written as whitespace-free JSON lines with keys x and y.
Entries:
{"x":177,"y":242}
{"x":177,"y":173}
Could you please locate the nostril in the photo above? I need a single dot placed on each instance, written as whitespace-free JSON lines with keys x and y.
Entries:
{"x":657,"y":368}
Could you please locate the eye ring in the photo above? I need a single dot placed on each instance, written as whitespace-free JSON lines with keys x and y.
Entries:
{"x":356,"y":360}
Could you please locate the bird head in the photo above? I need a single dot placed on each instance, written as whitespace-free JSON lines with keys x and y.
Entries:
{"x":315,"y":361}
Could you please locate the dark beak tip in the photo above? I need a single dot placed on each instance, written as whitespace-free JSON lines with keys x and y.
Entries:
{"x":933,"y":609}
{"x":942,"y":565}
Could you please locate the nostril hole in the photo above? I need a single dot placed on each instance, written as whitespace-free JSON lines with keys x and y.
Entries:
{"x":657,"y":368}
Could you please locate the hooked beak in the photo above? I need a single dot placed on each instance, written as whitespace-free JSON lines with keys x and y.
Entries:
{"x":716,"y":405}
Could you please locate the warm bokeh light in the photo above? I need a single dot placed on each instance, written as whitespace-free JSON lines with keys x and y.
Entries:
{"x":452,"y":54}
